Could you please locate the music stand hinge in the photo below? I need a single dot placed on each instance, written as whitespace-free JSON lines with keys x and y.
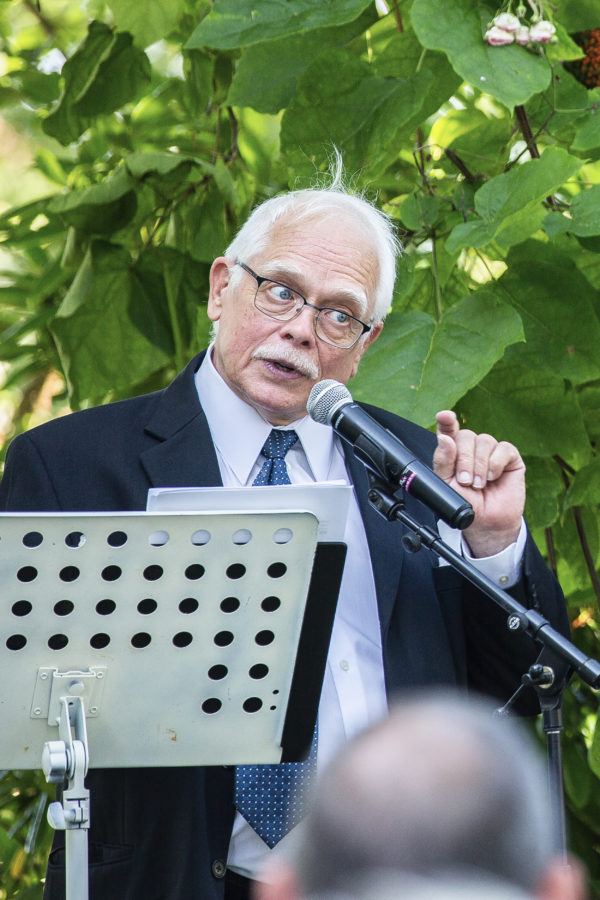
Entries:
{"x":52,"y":686}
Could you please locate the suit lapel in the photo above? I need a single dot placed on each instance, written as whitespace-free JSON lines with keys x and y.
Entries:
{"x":183,"y":455}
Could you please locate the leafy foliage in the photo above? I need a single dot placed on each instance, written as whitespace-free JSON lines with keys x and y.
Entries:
{"x":169,"y":121}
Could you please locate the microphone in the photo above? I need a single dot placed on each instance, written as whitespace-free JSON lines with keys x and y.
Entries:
{"x":331,"y":403}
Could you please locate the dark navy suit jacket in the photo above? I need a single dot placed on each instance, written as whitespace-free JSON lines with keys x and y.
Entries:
{"x":163,"y":834}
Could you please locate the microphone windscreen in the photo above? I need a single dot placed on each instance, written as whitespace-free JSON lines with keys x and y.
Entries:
{"x":325,"y":398}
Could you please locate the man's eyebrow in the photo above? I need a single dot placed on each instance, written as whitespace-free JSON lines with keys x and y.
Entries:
{"x":279,"y":270}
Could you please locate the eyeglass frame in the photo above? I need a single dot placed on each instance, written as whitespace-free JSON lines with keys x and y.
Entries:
{"x":260,"y":280}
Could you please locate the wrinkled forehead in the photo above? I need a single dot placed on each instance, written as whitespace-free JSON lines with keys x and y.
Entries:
{"x":331,"y":251}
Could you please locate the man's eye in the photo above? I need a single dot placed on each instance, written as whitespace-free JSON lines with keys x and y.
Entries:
{"x":281,"y":292}
{"x":339,"y":317}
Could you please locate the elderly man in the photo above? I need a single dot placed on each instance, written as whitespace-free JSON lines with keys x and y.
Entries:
{"x":299,"y":296}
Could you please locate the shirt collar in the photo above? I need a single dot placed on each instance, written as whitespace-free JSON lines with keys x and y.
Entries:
{"x":239,"y":432}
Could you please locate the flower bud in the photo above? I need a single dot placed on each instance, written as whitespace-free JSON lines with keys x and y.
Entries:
{"x":523,"y":35}
{"x":498,"y":37}
{"x":542,"y":32}
{"x":507,"y":22}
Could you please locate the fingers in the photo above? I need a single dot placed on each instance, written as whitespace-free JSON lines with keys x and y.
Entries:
{"x":473,"y":459}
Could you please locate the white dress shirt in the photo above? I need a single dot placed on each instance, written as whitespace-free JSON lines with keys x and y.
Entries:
{"x":353,"y":694}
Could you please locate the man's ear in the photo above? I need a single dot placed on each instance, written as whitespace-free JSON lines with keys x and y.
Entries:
{"x":360,"y":349}
{"x":219,"y":281}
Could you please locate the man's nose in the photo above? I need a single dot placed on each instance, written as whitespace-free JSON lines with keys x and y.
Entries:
{"x":302,"y":327}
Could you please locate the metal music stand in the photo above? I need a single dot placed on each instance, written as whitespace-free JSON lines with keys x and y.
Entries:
{"x":158,"y":639}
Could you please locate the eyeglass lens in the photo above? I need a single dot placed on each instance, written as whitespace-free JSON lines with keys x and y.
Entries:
{"x":332,"y":325}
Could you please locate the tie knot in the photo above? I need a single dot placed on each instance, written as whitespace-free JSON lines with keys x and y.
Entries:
{"x":278,"y":443}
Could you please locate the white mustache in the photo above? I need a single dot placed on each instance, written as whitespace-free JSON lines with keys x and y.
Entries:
{"x":289,"y":356}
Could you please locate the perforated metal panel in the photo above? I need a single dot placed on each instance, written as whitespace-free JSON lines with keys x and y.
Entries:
{"x":179,"y":630}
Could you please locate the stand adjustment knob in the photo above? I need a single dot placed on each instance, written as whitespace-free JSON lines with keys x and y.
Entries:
{"x":56,"y":816}
{"x":55,"y":761}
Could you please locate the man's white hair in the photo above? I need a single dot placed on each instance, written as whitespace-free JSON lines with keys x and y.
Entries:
{"x":310,"y":203}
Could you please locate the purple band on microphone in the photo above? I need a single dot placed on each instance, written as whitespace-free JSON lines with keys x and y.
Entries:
{"x":408,"y":482}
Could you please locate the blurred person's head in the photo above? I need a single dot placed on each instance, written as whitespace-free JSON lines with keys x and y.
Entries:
{"x":440,"y":787}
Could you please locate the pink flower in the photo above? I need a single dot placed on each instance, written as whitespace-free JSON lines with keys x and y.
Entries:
{"x":542,"y":32}
{"x":507,"y":22}
{"x":523,"y":35}
{"x":498,"y":37}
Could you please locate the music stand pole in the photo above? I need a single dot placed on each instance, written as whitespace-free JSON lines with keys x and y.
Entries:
{"x":68,"y":759}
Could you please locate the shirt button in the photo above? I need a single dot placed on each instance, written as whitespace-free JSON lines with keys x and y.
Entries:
{"x":218,"y":868}
{"x":503,"y":579}
{"x":344,"y":665}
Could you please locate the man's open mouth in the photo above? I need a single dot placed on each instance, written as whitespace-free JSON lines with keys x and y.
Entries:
{"x":283,"y":366}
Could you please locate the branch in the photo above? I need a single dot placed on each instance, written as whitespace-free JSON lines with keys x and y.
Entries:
{"x":587,"y":554}
{"x":526,"y":131}
{"x":566,"y":470}
{"x":46,"y":24}
{"x":234,"y":151}
{"x":398,"y":16}
{"x":436,"y":277}
{"x":462,"y":168}
{"x":551,"y":551}
{"x":564,"y":466}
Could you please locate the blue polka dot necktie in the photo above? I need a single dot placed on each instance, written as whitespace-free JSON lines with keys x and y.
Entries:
{"x":274,"y":470}
{"x":272,"y":798}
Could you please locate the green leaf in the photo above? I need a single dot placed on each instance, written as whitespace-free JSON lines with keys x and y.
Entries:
{"x":530,"y":182}
{"x":474,"y":137}
{"x":163,"y":172}
{"x":239,"y":23}
{"x":148,"y":22}
{"x":585,"y":212}
{"x":198,"y":69}
{"x":587,"y":136}
{"x":99,"y":209}
{"x":185,"y":281}
{"x":418,"y":367}
{"x":585,"y":487}
{"x":564,"y":47}
{"x":528,"y":407}
{"x":102,"y":75}
{"x":421,"y":211}
{"x":402,"y":56}
{"x":510,"y":74}
{"x":561,"y":338}
{"x":510,"y":203}
{"x":544,"y":490}
{"x":471,"y":234}
{"x":578,"y":778}
{"x":579,"y":15}
{"x":594,"y":751}
{"x":266,"y":75}
{"x":109,"y":334}
{"x":568,"y":545}
{"x":560,"y":109}
{"x":140,"y":164}
{"x":206,"y":228}
{"x":361,"y":114}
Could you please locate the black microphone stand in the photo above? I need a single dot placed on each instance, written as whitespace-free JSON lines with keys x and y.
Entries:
{"x":548,"y":675}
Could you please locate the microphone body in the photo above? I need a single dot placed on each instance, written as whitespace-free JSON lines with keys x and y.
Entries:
{"x":331,"y":403}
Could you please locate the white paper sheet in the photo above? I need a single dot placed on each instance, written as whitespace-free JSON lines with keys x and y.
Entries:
{"x":328,"y":501}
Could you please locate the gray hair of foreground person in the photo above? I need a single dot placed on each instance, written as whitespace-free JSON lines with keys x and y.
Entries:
{"x":441,"y":785}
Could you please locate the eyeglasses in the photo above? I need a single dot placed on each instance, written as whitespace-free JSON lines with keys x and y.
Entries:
{"x":278,"y":301}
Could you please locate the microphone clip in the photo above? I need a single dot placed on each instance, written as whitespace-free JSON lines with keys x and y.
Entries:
{"x":385,"y":497}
